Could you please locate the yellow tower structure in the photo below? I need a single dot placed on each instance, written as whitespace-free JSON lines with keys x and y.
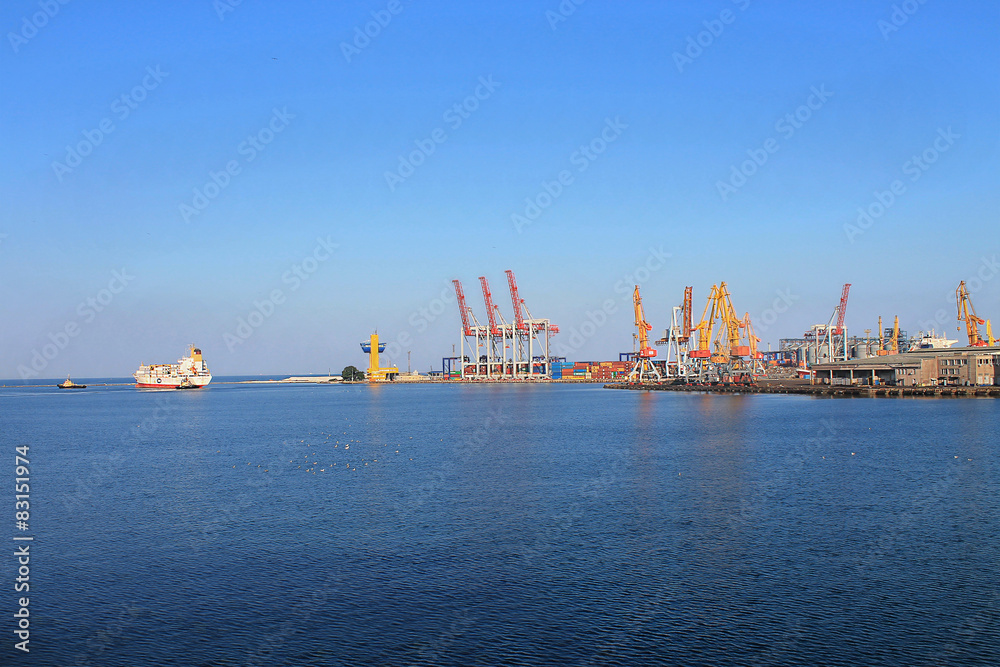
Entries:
{"x":375,"y":372}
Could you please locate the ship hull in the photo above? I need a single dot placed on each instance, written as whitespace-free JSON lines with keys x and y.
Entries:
{"x":171,"y":382}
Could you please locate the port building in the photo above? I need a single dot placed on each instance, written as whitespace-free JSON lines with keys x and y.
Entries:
{"x":933,"y":367}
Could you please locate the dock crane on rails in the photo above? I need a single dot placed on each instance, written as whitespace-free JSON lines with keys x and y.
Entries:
{"x":704,"y":327}
{"x":967,"y":313}
{"x":730,"y":354}
{"x":470,"y":328}
{"x":643,"y":370}
{"x":700,"y":356}
{"x":526,"y":332}
{"x":834,"y":337}
{"x":676,"y":337}
{"x":496,"y":340}
{"x":756,"y":360}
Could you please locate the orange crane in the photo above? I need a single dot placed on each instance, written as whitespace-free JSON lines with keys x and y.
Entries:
{"x":756,"y":363}
{"x":643,"y":370}
{"x":967,"y":313}
{"x":881,"y":352}
{"x":728,"y":338}
{"x":704,"y":327}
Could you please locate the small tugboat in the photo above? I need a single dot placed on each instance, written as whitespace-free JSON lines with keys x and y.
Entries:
{"x":187,"y":384}
{"x":69,"y":384}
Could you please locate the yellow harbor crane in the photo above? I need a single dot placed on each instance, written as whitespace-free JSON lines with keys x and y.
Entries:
{"x":643,"y":370}
{"x":730,"y":353}
{"x":705,"y":325}
{"x":967,"y":313}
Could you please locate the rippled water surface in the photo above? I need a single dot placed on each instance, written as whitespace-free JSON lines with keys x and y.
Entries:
{"x":504,"y":525}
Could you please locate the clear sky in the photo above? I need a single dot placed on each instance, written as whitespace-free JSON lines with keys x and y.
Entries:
{"x":212,"y":155}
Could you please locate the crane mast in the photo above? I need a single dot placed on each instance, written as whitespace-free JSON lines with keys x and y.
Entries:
{"x":686,"y":316}
{"x":643,"y":370}
{"x":967,"y":313}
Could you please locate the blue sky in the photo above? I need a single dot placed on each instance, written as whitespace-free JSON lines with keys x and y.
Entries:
{"x":310,"y":128}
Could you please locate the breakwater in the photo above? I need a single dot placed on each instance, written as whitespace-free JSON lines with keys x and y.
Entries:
{"x":846,"y":391}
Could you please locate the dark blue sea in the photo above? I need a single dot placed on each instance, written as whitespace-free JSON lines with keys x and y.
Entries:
{"x":501,"y":525}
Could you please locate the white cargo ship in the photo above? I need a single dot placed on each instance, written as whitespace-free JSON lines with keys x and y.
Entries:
{"x":188,"y":373}
{"x":932,"y":341}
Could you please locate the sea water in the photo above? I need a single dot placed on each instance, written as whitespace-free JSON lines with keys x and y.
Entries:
{"x":502,"y":524}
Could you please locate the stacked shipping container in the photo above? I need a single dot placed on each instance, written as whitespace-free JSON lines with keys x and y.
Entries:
{"x":605,"y":371}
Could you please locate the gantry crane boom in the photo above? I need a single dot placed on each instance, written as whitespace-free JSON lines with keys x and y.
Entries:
{"x":515,"y":300}
{"x":842,"y":308}
{"x":463,"y":308}
{"x":967,"y":313}
{"x":490,"y":308}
